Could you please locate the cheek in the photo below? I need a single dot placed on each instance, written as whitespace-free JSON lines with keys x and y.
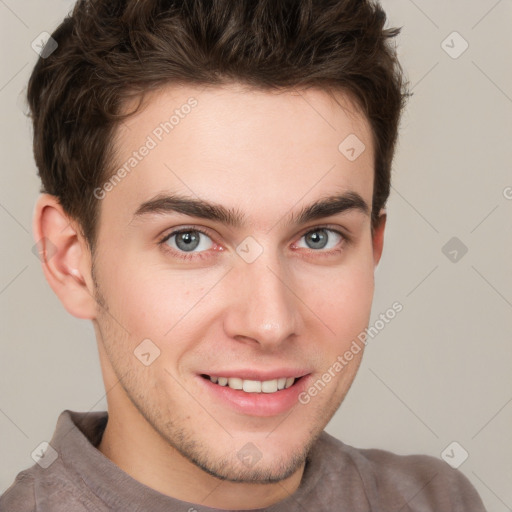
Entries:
{"x":342,"y":297}
{"x":155,"y":301}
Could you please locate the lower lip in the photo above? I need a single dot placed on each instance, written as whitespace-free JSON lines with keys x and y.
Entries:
{"x":257,"y":404}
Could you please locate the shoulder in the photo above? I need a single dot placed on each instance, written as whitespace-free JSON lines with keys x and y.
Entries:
{"x":57,"y":489}
{"x":19,"y":497}
{"x":421,"y":482}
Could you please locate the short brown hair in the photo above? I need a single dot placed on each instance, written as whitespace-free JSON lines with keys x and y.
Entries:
{"x":109,"y":50}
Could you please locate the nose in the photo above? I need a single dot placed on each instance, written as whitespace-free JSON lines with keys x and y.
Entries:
{"x":263,"y":307}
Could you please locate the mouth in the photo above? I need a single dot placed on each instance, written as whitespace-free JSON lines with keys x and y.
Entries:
{"x":252,"y":397}
{"x":253,"y":386}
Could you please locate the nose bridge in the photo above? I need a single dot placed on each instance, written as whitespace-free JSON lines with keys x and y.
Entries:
{"x":263,"y":306}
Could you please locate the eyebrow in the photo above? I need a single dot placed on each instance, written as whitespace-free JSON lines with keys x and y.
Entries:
{"x":326,"y":207}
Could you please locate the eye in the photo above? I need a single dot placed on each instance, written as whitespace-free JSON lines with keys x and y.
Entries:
{"x":188,"y":240}
{"x":321,"y":238}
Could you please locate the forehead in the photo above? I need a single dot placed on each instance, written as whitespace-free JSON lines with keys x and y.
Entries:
{"x":238,"y":146}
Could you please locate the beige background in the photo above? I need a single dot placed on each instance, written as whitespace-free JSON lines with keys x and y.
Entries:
{"x":441,"y":370}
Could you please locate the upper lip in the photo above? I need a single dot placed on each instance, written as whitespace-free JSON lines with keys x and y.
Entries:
{"x":261,"y":375}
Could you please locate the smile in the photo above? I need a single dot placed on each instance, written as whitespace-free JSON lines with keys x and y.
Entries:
{"x":253,"y":386}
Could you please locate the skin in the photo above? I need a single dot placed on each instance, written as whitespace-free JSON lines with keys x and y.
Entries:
{"x":266,"y":155}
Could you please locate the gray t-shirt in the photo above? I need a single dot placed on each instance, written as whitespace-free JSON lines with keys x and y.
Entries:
{"x":337,"y":478}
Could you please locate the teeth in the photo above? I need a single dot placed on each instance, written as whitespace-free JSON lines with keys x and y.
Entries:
{"x":254,"y":386}
{"x":235,"y":383}
{"x":269,"y":386}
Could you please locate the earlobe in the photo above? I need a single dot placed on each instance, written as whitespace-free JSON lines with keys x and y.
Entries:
{"x":378,"y":237}
{"x":65,"y":257}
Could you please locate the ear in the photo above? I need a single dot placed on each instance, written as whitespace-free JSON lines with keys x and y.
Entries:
{"x":65,"y":257}
{"x":378,"y":237}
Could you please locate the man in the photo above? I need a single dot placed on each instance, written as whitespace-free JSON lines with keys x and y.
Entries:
{"x":215,"y":175}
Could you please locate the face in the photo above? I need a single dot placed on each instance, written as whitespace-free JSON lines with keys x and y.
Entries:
{"x":213,"y":266}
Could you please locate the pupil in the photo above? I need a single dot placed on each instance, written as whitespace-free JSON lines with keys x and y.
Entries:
{"x":317,"y":239}
{"x":187,"y":241}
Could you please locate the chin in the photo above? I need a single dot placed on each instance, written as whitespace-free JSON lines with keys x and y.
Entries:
{"x":267,"y":457}
{"x":250,"y":468}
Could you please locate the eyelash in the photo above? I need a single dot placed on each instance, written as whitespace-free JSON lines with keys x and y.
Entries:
{"x":345,"y":240}
{"x":180,"y":254}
